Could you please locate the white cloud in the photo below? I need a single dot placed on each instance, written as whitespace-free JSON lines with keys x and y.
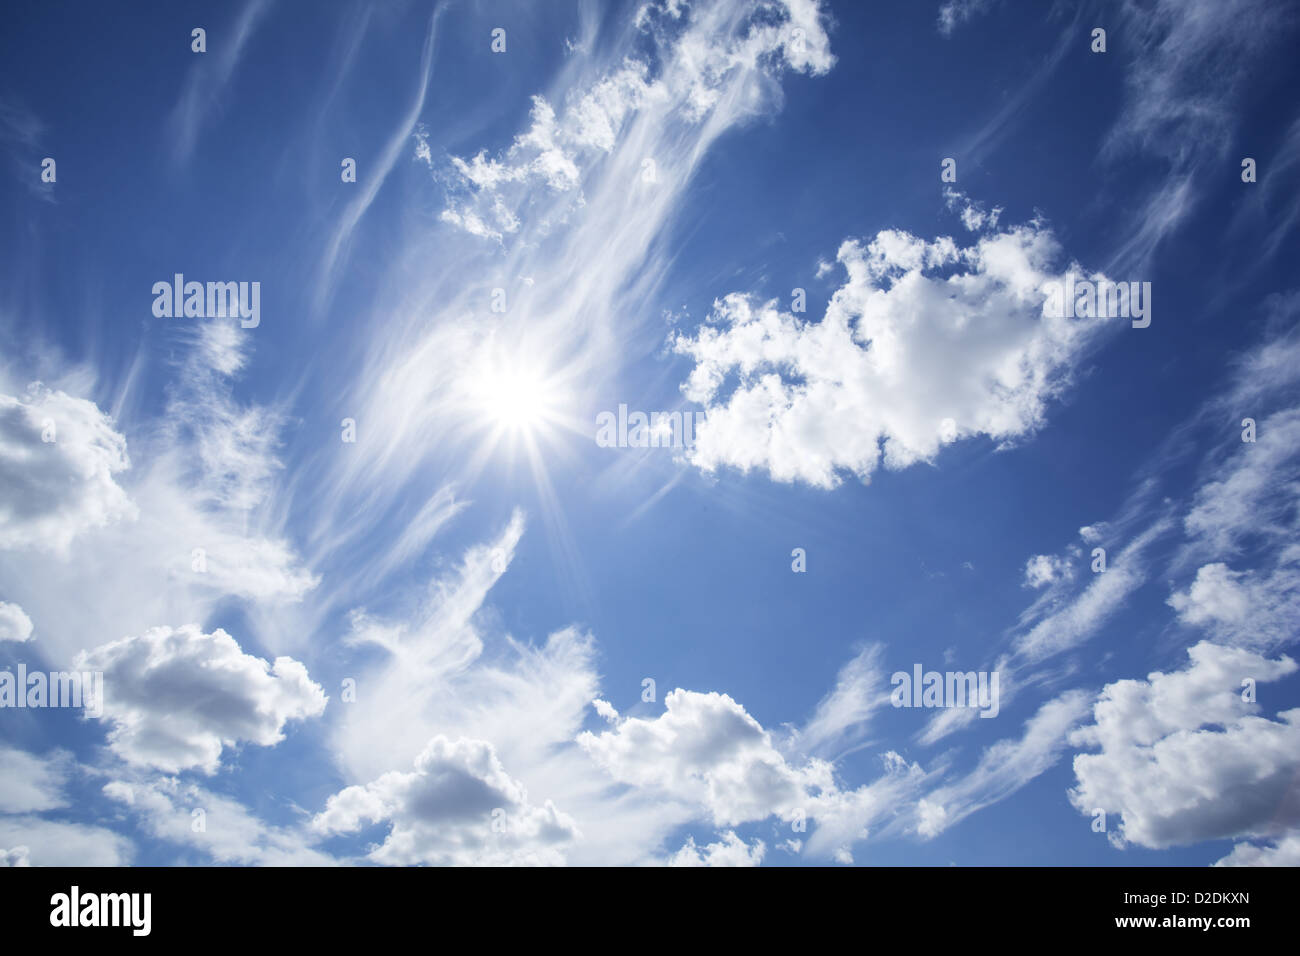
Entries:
{"x":1285,"y":852}
{"x":731,"y":850}
{"x":52,"y":843}
{"x":30,"y":783}
{"x":707,"y":750}
{"x":1183,"y":758}
{"x":457,"y":807}
{"x":58,"y":458}
{"x":176,"y":696}
{"x":15,"y":625}
{"x":841,"y":717}
{"x":1005,"y":767}
{"x":1043,"y":569}
{"x":229,"y":833}
{"x":18,"y":856}
{"x":926,"y":343}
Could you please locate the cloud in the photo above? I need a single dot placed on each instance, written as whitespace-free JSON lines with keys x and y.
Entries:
{"x":58,"y":458}
{"x":1183,"y":758}
{"x":731,"y":850}
{"x":924,"y":344}
{"x":841,"y":717}
{"x":953,"y":13}
{"x":1004,"y":767}
{"x":52,"y":843}
{"x":171,"y":810}
{"x":707,"y":750}
{"x":1043,"y":569}
{"x":208,"y":78}
{"x":15,"y":625}
{"x":176,"y":696}
{"x":1285,"y":852}
{"x":18,"y":856}
{"x":30,"y":783}
{"x":1256,"y":609}
{"x":457,"y":807}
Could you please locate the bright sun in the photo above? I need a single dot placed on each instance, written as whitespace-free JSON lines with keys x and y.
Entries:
{"x":508,"y":394}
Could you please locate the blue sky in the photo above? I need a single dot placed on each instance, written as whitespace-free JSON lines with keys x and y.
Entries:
{"x":362,"y":583}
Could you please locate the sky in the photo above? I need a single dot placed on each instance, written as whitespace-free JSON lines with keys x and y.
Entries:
{"x":374,"y":556}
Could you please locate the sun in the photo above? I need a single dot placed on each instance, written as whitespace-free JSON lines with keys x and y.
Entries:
{"x":514,"y":394}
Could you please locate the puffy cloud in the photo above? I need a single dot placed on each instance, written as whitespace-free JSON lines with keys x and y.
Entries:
{"x":1043,"y":569}
{"x":15,"y":625}
{"x":731,"y":850}
{"x":1183,"y":758}
{"x":706,"y":749}
{"x":924,"y":344}
{"x":29,"y":783}
{"x":58,"y":456}
{"x":176,"y":696}
{"x":54,"y":843}
{"x":1285,"y":852}
{"x":457,"y":807}
{"x":1256,"y":609}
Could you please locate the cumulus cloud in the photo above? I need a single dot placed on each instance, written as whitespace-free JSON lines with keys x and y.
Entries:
{"x":925,"y":343}
{"x":55,"y":843}
{"x":731,"y":850}
{"x":705,"y":748}
{"x":1285,"y":852}
{"x":30,"y":783}
{"x":1256,"y":608}
{"x":457,"y":807}
{"x":15,"y":625}
{"x":1183,"y":757}
{"x":1043,"y":569}
{"x":175,"y":697}
{"x":58,"y":459}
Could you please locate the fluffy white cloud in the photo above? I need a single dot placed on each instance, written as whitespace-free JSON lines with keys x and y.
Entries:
{"x":58,"y":456}
{"x":176,"y":696}
{"x":54,"y":843}
{"x":457,"y":807}
{"x":706,"y":749}
{"x":1043,"y":569}
{"x":1183,"y":757}
{"x":1285,"y":852}
{"x":30,"y":783}
{"x":15,"y":625}
{"x":1256,"y":609}
{"x":731,"y":850}
{"x":924,"y":344}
